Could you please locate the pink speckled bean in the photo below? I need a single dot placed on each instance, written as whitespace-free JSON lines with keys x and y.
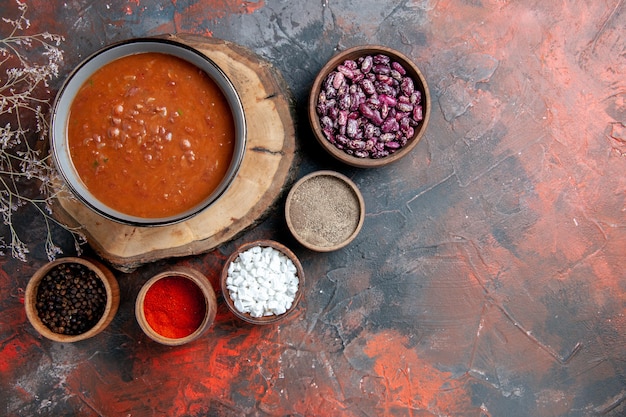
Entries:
{"x":398,"y":67}
{"x":367,"y":64}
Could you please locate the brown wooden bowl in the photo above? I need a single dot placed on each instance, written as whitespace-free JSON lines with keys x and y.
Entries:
{"x":112,"y":299}
{"x":247,"y":317}
{"x":204,"y":287}
{"x":324,"y":211}
{"x":353,"y":54}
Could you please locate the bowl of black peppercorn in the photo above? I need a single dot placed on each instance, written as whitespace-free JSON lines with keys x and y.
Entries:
{"x":71,"y":299}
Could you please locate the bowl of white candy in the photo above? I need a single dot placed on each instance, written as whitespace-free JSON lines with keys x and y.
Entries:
{"x":262,"y":282}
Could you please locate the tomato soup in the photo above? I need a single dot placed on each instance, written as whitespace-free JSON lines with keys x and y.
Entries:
{"x":151,"y":135}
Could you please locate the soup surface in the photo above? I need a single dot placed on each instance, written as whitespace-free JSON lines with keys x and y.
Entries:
{"x":151,"y":135}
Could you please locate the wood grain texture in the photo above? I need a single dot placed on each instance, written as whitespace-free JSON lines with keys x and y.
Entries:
{"x":265,"y":170}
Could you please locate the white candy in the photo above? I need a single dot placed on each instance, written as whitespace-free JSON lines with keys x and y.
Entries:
{"x":262,"y":282}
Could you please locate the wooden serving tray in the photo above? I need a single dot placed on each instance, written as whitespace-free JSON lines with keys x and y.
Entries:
{"x":267,"y":167}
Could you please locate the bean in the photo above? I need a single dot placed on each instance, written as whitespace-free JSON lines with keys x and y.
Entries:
{"x":416,"y":97}
{"x":381,"y":154}
{"x":404,"y":107}
{"x":384,"y":110}
{"x":407,"y":86}
{"x":329,"y":134}
{"x":417,"y":113}
{"x":381,"y":69}
{"x":390,"y":125}
{"x":382,"y":88}
{"x":356,"y":144}
{"x":347,"y":72}
{"x":386,"y":137}
{"x":370,"y":131}
{"x":339,"y":80}
{"x":366,"y":111}
{"x":344,"y":101}
{"x":369,"y":107}
{"x":343,"y":89}
{"x":358,"y":76}
{"x":367,"y":64}
{"x":355,"y":100}
{"x":350,"y":63}
{"x":328,"y":82}
{"x":381,"y":59}
{"x":377,"y":119}
{"x":373,"y":102}
{"x":327,"y":122}
{"x":342,"y":119}
{"x":351,"y":127}
{"x":398,"y":67}
{"x":386,"y":79}
{"x":401,"y":115}
{"x":342,"y":140}
{"x":333,"y":113}
{"x":131,"y":91}
{"x":321,"y":98}
{"x":368,"y":86}
{"x":405,"y":123}
{"x":390,"y":101}
{"x":190,"y":155}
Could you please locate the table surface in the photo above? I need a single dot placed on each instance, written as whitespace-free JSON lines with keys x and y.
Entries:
{"x":489,"y":276}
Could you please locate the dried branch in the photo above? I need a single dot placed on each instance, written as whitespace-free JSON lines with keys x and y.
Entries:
{"x":24,"y":105}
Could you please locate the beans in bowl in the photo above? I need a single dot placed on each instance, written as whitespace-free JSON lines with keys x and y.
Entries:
{"x":369,"y":107}
{"x":151,"y":135}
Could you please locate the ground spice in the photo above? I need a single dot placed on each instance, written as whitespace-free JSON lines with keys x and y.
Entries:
{"x":174,"y":307}
{"x":324,"y":211}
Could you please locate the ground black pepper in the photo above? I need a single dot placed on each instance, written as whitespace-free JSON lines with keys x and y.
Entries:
{"x":71,"y":299}
{"x":324,"y":211}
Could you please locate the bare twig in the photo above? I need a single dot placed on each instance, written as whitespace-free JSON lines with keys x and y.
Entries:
{"x":24,"y":104}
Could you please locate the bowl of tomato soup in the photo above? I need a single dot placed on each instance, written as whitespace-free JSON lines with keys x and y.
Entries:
{"x":148,"y":132}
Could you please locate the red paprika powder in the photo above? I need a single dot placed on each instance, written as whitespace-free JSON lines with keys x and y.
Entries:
{"x":174,"y":307}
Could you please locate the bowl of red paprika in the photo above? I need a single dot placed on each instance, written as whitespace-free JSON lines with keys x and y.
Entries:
{"x":176,"y":306}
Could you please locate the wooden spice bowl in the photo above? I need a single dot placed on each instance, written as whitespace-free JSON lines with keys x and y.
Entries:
{"x":412,"y":71}
{"x":265,"y":319}
{"x":111,"y":288}
{"x":324,"y":211}
{"x":193,"y":305}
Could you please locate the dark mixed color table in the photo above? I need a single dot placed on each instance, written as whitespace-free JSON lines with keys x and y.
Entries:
{"x":489,"y":278}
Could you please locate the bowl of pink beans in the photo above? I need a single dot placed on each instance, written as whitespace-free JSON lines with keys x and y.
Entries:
{"x":369,"y":106}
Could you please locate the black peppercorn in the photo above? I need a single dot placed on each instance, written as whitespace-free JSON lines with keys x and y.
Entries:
{"x":71,"y":299}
